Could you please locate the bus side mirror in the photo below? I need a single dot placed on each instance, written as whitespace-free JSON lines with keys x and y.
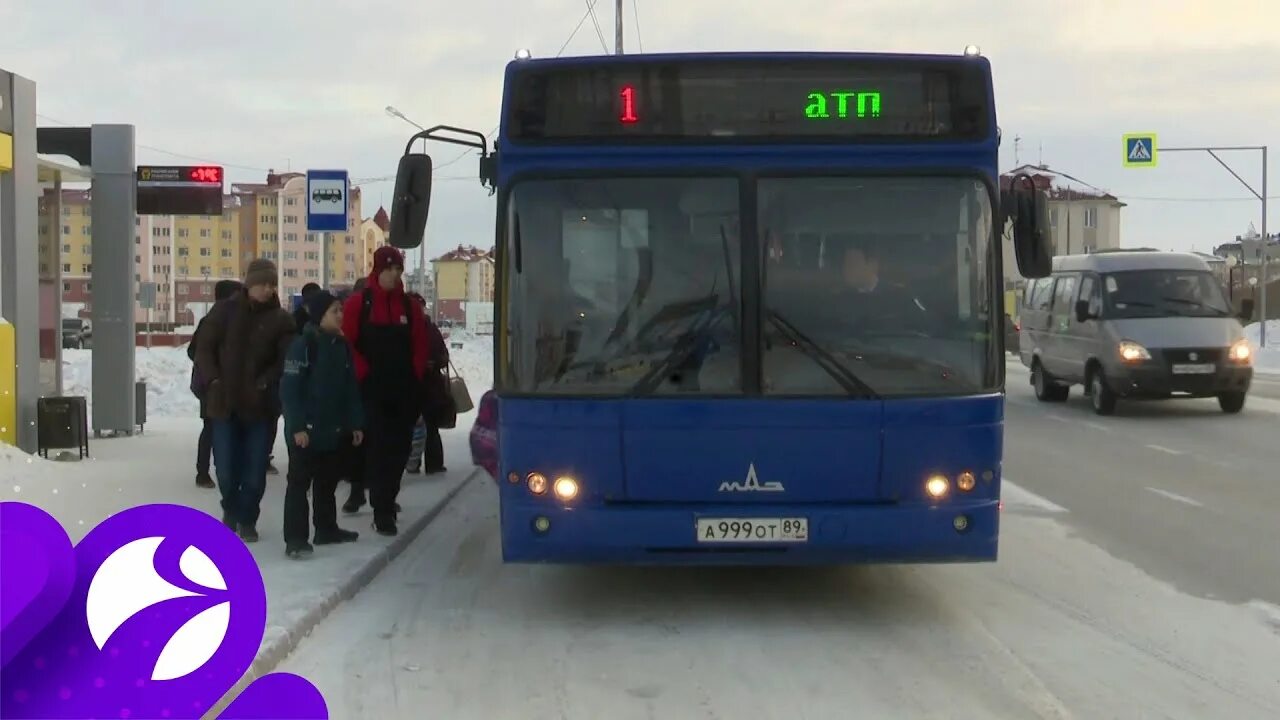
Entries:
{"x":1246,"y":310}
{"x":411,"y":200}
{"x":1082,"y":310}
{"x":1032,"y":245}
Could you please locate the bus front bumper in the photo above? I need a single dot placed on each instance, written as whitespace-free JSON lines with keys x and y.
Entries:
{"x":668,"y":535}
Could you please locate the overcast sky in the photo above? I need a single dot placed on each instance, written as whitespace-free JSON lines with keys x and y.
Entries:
{"x":297,"y":84}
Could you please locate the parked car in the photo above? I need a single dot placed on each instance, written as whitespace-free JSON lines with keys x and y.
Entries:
{"x":1134,"y":325}
{"x":76,"y":333}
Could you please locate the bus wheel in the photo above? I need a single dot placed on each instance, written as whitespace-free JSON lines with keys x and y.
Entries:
{"x":1231,"y":402}
{"x":1046,"y":389}
{"x":1104,"y":400}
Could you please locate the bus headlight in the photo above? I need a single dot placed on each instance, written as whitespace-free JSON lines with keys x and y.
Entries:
{"x":1132,"y":352}
{"x":537,"y":483}
{"x":1240,"y":352}
{"x":966,"y":481}
{"x":566,"y":488}
{"x":937,"y":486}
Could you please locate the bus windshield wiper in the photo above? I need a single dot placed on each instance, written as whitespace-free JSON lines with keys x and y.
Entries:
{"x":684,"y":346}
{"x":828,"y":362}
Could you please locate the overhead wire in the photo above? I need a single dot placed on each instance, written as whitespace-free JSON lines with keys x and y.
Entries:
{"x":590,"y":13}
{"x":635,"y":14}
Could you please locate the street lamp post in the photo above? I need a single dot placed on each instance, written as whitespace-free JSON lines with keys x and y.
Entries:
{"x":1262,"y":196}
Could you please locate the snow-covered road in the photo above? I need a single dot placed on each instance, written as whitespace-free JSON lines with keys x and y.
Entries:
{"x":1057,"y":628}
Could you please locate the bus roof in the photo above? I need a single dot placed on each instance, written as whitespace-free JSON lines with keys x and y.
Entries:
{"x":1123,"y":260}
{"x":641,"y":58}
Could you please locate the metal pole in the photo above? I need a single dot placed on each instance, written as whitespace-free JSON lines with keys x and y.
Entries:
{"x":1262,"y":196}
{"x":1262,"y":330}
{"x":422,"y":269}
{"x":617,"y":27}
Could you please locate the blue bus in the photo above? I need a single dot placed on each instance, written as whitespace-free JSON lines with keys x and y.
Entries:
{"x":749,"y":306}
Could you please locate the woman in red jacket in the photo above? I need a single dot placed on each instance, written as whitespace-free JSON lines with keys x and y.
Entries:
{"x":388,"y":335}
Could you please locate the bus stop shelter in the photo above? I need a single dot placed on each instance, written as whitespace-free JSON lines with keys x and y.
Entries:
{"x":33,"y":160}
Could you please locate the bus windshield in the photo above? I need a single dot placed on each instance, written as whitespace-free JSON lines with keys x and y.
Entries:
{"x":888,"y":277}
{"x":626,"y":286}
{"x":633,"y":286}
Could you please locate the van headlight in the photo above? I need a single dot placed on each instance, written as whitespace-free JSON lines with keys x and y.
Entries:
{"x":1132,"y":352}
{"x":1240,"y":352}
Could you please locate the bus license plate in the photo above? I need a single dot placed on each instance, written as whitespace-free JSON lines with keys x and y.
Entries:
{"x":1201,"y":369}
{"x":753,"y":530}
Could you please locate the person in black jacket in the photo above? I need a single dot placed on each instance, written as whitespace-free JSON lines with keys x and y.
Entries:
{"x":323,"y":417}
{"x":300,"y":317}
{"x":204,"y":449}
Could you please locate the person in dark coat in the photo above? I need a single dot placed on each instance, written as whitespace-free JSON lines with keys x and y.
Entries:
{"x":428,"y":448}
{"x":242,"y":353}
{"x":204,"y":448}
{"x":388,"y":335}
{"x":300,"y":320}
{"x":301,"y":315}
{"x":323,"y":418}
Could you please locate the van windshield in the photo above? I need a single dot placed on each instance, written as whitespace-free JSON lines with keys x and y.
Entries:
{"x":1164,"y":293}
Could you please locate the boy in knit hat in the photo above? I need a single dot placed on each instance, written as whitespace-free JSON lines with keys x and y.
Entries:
{"x":323,"y":420}
{"x":240,"y":355}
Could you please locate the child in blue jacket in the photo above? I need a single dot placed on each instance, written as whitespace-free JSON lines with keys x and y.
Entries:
{"x":323,"y":421}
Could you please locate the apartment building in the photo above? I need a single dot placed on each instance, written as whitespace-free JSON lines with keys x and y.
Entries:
{"x":185,"y":256}
{"x":463,"y":275}
{"x":182,"y":255}
{"x":1082,"y":219}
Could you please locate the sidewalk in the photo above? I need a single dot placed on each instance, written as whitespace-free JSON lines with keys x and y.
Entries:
{"x":159,"y":467}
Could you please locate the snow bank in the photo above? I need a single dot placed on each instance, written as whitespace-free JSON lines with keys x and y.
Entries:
{"x":1268,"y":358}
{"x":167,"y":372}
{"x":473,"y":361}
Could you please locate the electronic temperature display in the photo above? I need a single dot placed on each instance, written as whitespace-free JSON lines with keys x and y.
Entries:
{"x":777,"y":100}
{"x":206,"y":174}
{"x":179,"y":189}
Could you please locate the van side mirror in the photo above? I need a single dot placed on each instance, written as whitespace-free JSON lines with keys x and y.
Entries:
{"x":1246,"y":310}
{"x":1027,"y":207}
{"x":1082,"y":310}
{"x":411,"y":201}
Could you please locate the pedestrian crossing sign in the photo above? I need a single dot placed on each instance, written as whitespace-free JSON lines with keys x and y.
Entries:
{"x":1140,"y":150}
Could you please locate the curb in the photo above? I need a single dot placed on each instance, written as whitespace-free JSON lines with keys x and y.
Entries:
{"x":273,"y":654}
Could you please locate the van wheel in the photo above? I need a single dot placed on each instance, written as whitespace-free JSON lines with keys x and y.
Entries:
{"x":1103,"y":399}
{"x":1047,"y":390}
{"x":1231,"y":402}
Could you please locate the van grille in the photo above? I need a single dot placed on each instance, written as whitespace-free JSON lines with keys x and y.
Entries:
{"x":1183,"y":355}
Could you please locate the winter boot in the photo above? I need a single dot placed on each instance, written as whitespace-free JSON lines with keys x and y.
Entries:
{"x":386,"y":526}
{"x":249,"y":533}
{"x":299,"y":550}
{"x":335,"y":536}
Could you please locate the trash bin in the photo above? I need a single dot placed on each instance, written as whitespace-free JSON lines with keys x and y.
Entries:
{"x":62,"y":422}
{"x":140,"y":404}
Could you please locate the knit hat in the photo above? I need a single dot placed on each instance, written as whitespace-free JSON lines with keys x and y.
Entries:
{"x":386,"y":256}
{"x":225,"y":289}
{"x":261,"y":272}
{"x":318,"y":304}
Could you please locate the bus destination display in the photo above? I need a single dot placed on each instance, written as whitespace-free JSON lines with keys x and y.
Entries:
{"x":700,"y":101}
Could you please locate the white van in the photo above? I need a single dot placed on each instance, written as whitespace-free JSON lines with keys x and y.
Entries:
{"x":1134,"y":324}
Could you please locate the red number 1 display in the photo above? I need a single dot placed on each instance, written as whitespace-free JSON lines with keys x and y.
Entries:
{"x":628,"y":105}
